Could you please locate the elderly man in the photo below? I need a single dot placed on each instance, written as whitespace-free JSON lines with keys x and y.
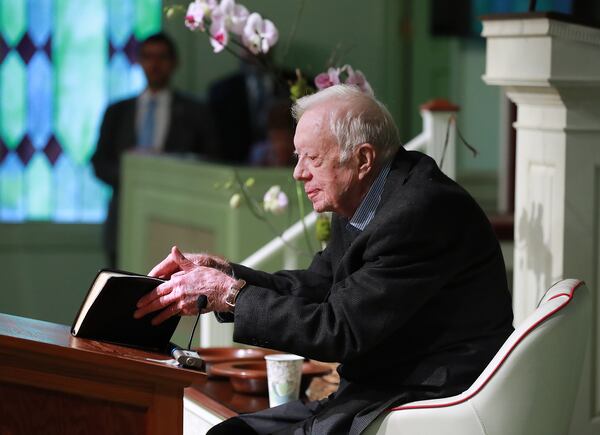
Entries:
{"x":410,"y":295}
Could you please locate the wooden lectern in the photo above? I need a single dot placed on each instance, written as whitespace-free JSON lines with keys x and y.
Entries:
{"x":53,"y":383}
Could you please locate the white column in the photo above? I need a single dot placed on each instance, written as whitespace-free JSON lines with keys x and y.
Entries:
{"x":551,"y":70}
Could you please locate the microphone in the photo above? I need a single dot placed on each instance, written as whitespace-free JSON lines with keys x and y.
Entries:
{"x":202,"y":302}
{"x":189,"y":358}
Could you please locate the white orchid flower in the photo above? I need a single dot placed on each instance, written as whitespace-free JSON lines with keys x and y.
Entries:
{"x":275,"y":200}
{"x":259,"y":34}
{"x":235,"y":200}
{"x":235,"y":16}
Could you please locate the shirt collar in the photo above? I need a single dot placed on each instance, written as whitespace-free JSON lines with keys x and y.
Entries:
{"x":366,"y":210}
{"x":160,"y":96}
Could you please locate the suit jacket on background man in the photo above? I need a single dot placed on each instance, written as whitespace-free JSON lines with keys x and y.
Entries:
{"x":191,"y":131}
{"x":413,"y":307}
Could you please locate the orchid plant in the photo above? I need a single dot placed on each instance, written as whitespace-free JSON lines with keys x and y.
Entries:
{"x":346,"y":75}
{"x":231,"y":27}
{"x":226,"y":17}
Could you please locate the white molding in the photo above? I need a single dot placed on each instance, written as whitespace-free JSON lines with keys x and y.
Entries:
{"x":196,"y":419}
{"x":529,"y":27}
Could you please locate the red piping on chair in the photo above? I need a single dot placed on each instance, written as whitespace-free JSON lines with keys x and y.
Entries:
{"x":531,"y":328}
{"x":557,"y":295}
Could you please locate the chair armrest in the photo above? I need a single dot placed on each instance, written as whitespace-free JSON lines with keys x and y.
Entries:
{"x":459,"y":419}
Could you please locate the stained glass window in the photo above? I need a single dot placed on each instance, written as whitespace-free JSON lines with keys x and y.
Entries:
{"x":61,"y":63}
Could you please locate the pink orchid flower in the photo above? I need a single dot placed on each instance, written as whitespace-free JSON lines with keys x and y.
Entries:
{"x":197,"y":11}
{"x":218,"y":31}
{"x":329,"y":78}
{"x":346,"y":75}
{"x":357,"y":78}
{"x":259,"y":34}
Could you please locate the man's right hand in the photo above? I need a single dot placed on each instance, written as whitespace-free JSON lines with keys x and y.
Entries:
{"x":166,"y":268}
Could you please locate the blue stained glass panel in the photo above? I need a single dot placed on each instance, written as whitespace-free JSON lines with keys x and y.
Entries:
{"x":40,"y":19}
{"x":119,"y":79}
{"x":120,"y":21}
{"x":39,"y":96}
{"x":38,"y":185}
{"x":67,"y":184}
{"x":137,"y":79}
{"x":94,"y":197}
{"x":12,"y":199}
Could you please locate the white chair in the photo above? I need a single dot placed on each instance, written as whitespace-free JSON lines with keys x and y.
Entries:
{"x":528,"y":388}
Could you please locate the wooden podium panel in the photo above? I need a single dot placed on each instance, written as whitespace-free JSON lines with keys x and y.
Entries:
{"x":53,"y":383}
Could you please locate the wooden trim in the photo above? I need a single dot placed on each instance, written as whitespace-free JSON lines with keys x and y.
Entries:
{"x":440,"y":105}
{"x":64,"y":384}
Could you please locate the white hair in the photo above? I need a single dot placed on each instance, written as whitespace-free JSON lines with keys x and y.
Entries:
{"x":358,"y":118}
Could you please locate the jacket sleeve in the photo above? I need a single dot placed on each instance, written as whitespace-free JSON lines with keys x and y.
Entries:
{"x":106,"y":157}
{"x":312,"y":283}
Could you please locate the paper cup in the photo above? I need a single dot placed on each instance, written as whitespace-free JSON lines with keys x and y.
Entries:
{"x":284,"y":372}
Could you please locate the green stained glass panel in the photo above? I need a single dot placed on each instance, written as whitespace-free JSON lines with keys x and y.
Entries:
{"x":94,"y":195}
{"x":13,"y":94}
{"x":79,"y":53}
{"x":11,"y":189}
{"x":39,"y":188}
{"x":13,"y":20}
{"x":148,"y":14}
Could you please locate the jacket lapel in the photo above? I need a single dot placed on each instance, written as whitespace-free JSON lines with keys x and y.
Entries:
{"x":401,"y":166}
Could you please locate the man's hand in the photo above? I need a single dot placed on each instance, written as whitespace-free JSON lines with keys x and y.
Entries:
{"x":179,"y":295}
{"x":177,"y":262}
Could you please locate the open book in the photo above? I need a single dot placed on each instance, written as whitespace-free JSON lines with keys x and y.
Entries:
{"x":106,"y":313}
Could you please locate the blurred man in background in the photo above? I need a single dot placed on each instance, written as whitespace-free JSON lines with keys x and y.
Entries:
{"x":158,"y":120}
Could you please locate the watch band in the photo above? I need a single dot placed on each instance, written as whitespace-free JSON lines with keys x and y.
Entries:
{"x":233,"y":293}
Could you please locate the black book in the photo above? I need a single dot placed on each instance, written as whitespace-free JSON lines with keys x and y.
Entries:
{"x":106,"y":313}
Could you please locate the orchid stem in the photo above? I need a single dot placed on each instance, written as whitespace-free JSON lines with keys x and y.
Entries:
{"x":258,"y":213}
{"x":293,"y":30}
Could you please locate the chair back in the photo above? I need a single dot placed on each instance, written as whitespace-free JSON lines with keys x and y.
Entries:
{"x":529,"y":387}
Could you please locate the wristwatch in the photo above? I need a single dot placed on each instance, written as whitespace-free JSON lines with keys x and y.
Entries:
{"x":233,"y":293}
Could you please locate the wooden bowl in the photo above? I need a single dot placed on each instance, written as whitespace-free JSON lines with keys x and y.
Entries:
{"x":250,"y":377}
{"x":215,"y":355}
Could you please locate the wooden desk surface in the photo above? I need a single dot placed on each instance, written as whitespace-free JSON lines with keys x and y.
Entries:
{"x":53,"y":340}
{"x":32,"y":338}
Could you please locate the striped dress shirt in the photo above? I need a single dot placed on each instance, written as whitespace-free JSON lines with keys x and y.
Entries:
{"x":366,"y":210}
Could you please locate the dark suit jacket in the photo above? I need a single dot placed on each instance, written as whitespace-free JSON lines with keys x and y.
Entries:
{"x":228,"y":100}
{"x":191,"y":130}
{"x":413,"y":307}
